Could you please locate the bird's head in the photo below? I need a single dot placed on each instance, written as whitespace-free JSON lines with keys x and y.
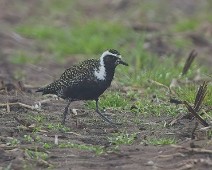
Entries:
{"x":111,"y":58}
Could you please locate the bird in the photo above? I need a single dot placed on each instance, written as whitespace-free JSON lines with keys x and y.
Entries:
{"x":87,"y":80}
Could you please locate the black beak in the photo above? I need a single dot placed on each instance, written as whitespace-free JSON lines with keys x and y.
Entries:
{"x":122,"y":62}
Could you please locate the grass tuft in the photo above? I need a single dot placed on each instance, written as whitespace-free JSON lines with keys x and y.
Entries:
{"x":110,"y":100}
{"x":162,"y":141}
{"x":122,"y":138}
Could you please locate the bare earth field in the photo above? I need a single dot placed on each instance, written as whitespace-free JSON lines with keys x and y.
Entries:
{"x":29,"y":133}
{"x":88,"y":129}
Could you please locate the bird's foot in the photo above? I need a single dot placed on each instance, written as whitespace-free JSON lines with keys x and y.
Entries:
{"x":108,"y":120}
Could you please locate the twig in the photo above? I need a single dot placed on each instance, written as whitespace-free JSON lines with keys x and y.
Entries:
{"x":77,"y":134}
{"x":197,"y":105}
{"x":206,"y":128}
{"x":56,"y":139}
{"x":189,"y":61}
{"x":34,"y":148}
{"x":178,"y":117}
{"x":19,"y":104}
{"x":171,"y":156}
{"x":200,"y":96}
{"x":8,"y":107}
{"x":197,"y":150}
{"x":162,"y":85}
{"x":204,"y":113}
{"x":158,"y":84}
{"x":44,"y":101}
{"x":74,"y":111}
{"x":194,"y":129}
{"x":193,"y":112}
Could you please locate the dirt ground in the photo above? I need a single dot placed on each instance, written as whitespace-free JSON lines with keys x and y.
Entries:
{"x":85,"y":128}
{"x":89,"y":129}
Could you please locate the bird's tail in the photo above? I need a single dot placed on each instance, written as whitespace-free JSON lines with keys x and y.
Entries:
{"x":49,"y":89}
{"x":39,"y":90}
{"x":43,"y":90}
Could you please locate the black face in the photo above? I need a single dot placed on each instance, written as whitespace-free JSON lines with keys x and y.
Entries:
{"x":113,"y":58}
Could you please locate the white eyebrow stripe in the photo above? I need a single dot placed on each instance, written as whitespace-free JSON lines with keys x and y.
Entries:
{"x":105,"y":54}
{"x":119,"y":56}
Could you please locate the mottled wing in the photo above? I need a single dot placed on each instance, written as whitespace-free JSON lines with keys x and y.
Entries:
{"x":81,"y":88}
{"x":80,"y":82}
{"x":76,"y":73}
{"x":72,"y":76}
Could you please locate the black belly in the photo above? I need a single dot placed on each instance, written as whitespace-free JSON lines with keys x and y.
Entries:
{"x":86,"y":91}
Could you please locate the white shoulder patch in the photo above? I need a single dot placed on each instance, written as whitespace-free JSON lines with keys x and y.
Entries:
{"x":101,"y":73}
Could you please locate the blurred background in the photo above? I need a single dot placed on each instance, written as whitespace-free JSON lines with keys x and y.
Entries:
{"x":46,"y":36}
{"x":39,"y":39}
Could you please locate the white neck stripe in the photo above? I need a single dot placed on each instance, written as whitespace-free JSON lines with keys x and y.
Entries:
{"x":101,"y":72}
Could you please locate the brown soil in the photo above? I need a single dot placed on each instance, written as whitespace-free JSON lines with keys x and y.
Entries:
{"x":85,"y":128}
{"x":89,"y":129}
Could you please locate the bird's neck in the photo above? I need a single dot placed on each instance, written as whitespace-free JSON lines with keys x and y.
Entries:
{"x":105,"y":72}
{"x":109,"y":72}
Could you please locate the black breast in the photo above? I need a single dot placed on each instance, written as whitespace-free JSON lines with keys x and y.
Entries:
{"x":85,"y":90}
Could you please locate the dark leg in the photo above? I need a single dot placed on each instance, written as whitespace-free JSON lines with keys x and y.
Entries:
{"x":65,"y":113}
{"x":102,"y":116}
